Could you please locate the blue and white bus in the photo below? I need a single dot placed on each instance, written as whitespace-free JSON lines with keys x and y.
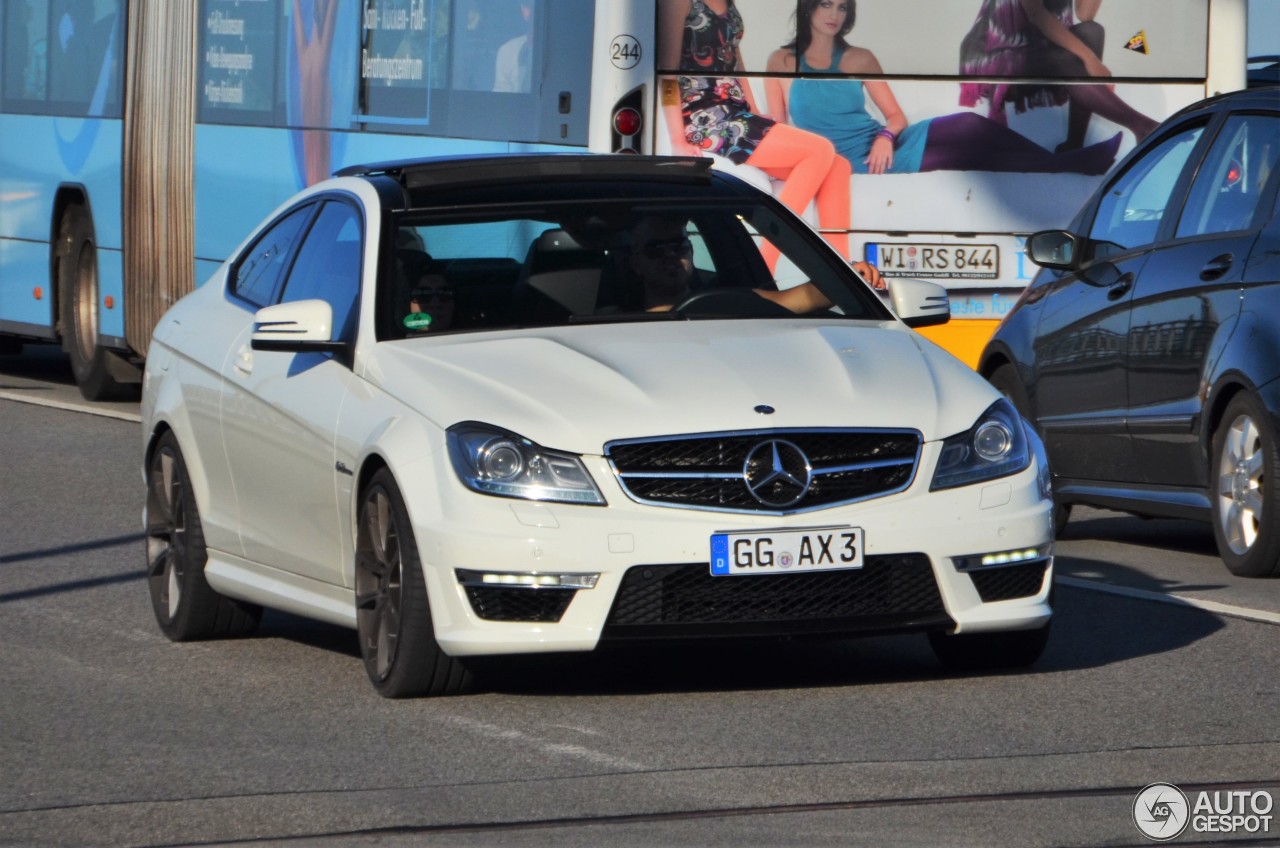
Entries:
{"x":139,"y":139}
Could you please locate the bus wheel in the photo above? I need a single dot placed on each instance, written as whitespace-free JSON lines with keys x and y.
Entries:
{"x":100,"y":374}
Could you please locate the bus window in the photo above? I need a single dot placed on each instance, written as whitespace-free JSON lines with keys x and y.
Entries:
{"x":63,"y":57}
{"x":25,"y":42}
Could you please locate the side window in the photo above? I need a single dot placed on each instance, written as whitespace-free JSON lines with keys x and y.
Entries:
{"x":328,"y":265}
{"x":257,"y":277}
{"x":1234,"y":176}
{"x":1130,"y":214}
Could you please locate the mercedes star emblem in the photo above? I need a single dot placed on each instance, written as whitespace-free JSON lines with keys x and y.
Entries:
{"x":777,"y":473}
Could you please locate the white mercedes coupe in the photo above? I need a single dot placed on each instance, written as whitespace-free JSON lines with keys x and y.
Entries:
{"x":545,"y":403}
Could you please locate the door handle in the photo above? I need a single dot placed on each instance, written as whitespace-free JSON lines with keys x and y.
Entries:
{"x":1216,"y":267}
{"x":244,"y":361}
{"x":1120,"y":287}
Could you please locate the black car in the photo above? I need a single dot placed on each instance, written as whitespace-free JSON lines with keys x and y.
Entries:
{"x":1147,"y":349}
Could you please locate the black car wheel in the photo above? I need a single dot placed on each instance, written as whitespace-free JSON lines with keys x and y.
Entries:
{"x":1245,"y":515}
{"x":393,"y":619}
{"x":185,"y":605}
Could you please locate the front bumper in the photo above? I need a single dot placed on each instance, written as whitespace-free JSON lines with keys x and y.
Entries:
{"x":915,"y":544}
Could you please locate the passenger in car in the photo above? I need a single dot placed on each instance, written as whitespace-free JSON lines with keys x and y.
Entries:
{"x":431,"y":305}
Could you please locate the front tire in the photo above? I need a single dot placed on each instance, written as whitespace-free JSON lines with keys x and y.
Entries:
{"x":185,"y":605}
{"x":1246,"y":519}
{"x":393,"y":617}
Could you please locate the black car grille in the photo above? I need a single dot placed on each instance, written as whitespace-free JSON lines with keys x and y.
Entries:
{"x":711,"y":471}
{"x":1008,"y":582}
{"x":522,"y":604}
{"x":887,"y":593}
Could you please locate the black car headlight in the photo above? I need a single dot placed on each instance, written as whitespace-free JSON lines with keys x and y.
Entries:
{"x":498,"y":462}
{"x":996,"y":446}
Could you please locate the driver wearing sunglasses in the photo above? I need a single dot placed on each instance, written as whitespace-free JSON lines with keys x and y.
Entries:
{"x":662,"y":259}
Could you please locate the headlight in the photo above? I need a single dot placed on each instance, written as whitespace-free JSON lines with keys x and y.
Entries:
{"x":997,"y":446}
{"x":497,"y":462}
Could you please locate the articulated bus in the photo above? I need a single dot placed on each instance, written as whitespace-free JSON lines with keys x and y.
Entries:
{"x":140,"y":140}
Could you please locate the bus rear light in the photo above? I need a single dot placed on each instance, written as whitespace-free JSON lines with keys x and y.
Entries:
{"x":627,"y":121}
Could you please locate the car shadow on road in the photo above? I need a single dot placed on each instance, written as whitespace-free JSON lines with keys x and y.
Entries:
{"x":1090,"y":630}
{"x":304,"y":631}
{"x":1169,"y":534}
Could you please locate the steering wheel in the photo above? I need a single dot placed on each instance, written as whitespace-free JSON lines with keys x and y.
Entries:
{"x":736,"y":302}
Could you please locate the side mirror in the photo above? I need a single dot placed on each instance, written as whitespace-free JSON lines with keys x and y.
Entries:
{"x":1056,"y":249}
{"x":303,"y":326}
{"x":919,"y":303}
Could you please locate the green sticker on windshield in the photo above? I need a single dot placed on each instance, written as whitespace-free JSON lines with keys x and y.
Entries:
{"x":417,"y":320}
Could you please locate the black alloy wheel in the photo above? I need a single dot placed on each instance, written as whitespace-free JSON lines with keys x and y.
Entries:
{"x":393,"y":618}
{"x":185,"y":605}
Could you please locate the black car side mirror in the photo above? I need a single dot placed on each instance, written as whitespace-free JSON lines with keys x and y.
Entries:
{"x":1056,"y":249}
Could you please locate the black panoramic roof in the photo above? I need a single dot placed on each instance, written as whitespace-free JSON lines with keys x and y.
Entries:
{"x":457,"y":171}
{"x":534,"y":178}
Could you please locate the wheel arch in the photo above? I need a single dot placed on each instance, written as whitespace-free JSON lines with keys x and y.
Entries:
{"x":992,"y":360}
{"x":67,"y":197}
{"x":164,"y":412}
{"x":1223,"y":392}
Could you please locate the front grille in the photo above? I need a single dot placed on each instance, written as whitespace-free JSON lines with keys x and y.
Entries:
{"x":711,"y":471}
{"x":522,"y":604}
{"x":887,"y":593}
{"x":1008,"y":582}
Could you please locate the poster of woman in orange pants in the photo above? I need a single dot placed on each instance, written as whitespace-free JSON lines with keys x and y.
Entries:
{"x":710,"y":109}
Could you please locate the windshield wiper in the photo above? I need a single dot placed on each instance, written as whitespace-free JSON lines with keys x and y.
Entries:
{"x":627,"y":317}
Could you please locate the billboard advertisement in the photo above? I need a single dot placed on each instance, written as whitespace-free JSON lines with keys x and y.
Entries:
{"x":926,"y":137}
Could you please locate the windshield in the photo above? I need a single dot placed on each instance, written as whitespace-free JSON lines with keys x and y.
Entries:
{"x":576,"y":263}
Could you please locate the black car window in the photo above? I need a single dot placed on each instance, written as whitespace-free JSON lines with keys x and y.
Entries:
{"x":328,"y":265}
{"x":1234,"y":176}
{"x":607,"y":260}
{"x":257,"y":277}
{"x":1130,"y":213}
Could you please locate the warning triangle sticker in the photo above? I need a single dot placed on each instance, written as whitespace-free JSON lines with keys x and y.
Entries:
{"x":1138,"y":43}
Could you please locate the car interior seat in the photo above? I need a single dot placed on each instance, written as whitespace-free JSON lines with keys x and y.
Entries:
{"x":559,"y":278}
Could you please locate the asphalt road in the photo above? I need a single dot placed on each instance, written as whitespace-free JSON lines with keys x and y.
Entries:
{"x":111,"y":735}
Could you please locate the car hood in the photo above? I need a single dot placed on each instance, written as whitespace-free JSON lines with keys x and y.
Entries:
{"x":577,"y":388}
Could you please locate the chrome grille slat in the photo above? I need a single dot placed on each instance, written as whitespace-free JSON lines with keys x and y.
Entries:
{"x":707,"y":471}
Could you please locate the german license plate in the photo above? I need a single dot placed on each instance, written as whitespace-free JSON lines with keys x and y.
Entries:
{"x":786,"y":552}
{"x":946,"y":261}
